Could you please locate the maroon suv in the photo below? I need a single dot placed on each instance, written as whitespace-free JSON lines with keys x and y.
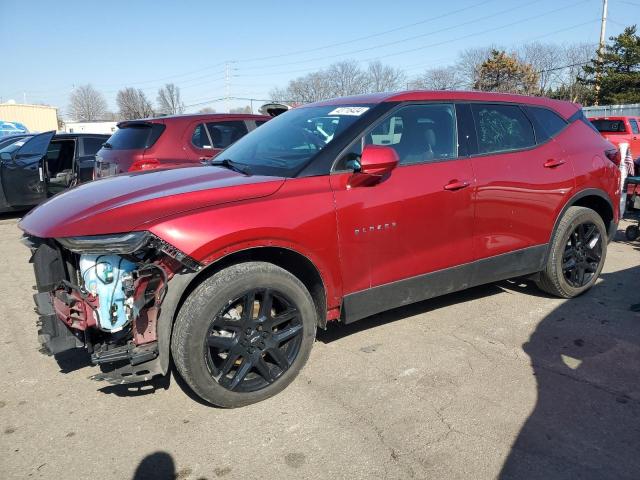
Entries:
{"x":171,"y":141}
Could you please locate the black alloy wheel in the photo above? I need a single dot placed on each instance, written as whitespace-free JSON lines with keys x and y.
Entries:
{"x":582,"y":255}
{"x":253,"y":341}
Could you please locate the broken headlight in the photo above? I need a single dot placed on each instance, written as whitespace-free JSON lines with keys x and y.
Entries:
{"x":119,"y":243}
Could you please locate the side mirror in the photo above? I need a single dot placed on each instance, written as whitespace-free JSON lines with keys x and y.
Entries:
{"x":378,"y":160}
{"x":5,"y":156}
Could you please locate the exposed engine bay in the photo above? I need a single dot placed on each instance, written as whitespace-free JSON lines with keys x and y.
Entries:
{"x":107,"y":303}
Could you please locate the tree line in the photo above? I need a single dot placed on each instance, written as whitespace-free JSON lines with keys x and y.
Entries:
{"x":88,"y":104}
{"x":567,"y":72}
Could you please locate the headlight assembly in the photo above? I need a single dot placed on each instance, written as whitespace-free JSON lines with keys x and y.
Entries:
{"x":118,"y":243}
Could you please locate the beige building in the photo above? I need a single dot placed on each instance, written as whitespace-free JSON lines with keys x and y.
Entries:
{"x":37,"y":118}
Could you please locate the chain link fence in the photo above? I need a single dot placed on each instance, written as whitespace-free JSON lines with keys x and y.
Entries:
{"x":632,"y":109}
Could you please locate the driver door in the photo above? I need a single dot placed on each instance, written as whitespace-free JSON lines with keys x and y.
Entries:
{"x":23,"y":176}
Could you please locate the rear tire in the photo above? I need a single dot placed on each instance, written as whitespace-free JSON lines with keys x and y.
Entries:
{"x":576,"y":255}
{"x":244,"y":334}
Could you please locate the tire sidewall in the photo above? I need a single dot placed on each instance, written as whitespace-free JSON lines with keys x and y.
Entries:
{"x":211,"y":297}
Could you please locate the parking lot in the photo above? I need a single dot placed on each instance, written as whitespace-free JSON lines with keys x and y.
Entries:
{"x":498,"y":381}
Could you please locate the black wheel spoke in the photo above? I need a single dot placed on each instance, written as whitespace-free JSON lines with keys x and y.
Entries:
{"x":264,"y":370}
{"x":283,"y":317}
{"x":569,"y":264}
{"x":253,"y":340}
{"x":220,"y":342}
{"x":279,"y":357}
{"x":288,"y":333}
{"x":243,"y":369}
{"x":265,"y":305}
{"x":229,"y":362}
{"x":248,"y":303}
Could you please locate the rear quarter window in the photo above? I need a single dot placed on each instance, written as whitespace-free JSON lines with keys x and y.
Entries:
{"x":546,"y":123}
{"x":137,"y":136}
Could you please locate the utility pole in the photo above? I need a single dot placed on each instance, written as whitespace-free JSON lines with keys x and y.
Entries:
{"x":227,"y":85}
{"x":603,"y":30}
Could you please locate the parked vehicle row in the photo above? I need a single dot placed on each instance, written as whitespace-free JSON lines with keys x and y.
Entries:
{"x":36,"y":167}
{"x":332,"y":211}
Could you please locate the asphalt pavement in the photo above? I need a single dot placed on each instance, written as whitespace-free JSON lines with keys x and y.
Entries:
{"x":500,"y":381}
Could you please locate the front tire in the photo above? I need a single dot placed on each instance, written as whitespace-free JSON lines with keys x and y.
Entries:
{"x":577,"y":253}
{"x":244,"y":334}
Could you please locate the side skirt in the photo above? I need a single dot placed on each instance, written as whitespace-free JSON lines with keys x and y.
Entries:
{"x":526,"y":261}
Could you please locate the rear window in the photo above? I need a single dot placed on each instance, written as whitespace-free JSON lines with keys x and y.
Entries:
{"x":92,"y":145}
{"x":136,"y":136}
{"x":609,"y":126}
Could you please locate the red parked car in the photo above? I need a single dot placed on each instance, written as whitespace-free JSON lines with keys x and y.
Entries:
{"x":171,"y":141}
{"x":332,"y":211}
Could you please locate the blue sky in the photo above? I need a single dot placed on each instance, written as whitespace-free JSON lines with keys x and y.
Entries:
{"x":48,"y":47}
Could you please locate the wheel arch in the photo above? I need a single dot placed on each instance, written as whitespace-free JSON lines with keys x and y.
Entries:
{"x":595,"y":199}
{"x":180,"y":286}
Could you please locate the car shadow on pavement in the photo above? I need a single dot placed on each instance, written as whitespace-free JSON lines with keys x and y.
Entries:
{"x":337,"y":330}
{"x":585,"y":356}
{"x":156,"y":466}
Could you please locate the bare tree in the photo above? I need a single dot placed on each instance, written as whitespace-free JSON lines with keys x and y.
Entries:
{"x":169,"y":101}
{"x":470,"y":62}
{"x":444,"y":78}
{"x":346,"y":78}
{"x":384,"y":78}
{"x":546,"y":59}
{"x":575,"y":57}
{"x":87,"y":104}
{"x":133,"y":104}
{"x":207,"y":110}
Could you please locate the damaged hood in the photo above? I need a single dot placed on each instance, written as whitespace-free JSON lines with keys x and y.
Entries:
{"x":127,"y":202}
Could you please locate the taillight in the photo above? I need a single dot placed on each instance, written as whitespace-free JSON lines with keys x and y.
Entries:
{"x":144,"y":164}
{"x":613,"y":154}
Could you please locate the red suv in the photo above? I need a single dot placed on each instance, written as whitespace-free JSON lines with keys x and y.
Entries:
{"x":332,"y":211}
{"x":171,"y":141}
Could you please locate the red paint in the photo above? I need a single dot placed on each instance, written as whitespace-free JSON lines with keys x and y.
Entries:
{"x":174,"y":147}
{"x":359,"y":231}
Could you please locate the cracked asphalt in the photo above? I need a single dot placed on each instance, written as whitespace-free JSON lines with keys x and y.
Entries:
{"x":499,"y":381}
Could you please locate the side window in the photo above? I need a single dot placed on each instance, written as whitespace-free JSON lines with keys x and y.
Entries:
{"x":200,"y":137}
{"x":634,"y":126}
{"x":92,"y":145}
{"x":502,"y":128}
{"x":419,"y":133}
{"x":547,"y":124}
{"x":224,"y":134}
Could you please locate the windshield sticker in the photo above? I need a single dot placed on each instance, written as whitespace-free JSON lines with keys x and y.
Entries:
{"x":353,"y":111}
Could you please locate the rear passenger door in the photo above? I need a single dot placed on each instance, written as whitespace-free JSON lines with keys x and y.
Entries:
{"x":522,"y":177}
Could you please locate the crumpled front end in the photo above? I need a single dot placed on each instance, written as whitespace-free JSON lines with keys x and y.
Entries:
{"x":104,"y":294}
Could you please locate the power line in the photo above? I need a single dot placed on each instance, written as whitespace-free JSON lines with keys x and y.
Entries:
{"x":406,"y":39}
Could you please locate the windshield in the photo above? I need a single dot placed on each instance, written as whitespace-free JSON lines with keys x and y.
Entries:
{"x":284,"y":145}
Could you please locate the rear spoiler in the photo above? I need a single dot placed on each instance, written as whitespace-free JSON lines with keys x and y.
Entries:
{"x":135,"y":123}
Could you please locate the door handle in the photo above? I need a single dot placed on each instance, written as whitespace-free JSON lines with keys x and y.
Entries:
{"x":456,"y":185}
{"x":553,"y":163}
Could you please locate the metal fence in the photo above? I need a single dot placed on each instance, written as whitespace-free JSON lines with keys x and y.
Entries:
{"x":632,"y":109}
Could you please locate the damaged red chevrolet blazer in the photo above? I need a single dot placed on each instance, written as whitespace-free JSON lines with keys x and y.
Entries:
{"x":333,"y":211}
